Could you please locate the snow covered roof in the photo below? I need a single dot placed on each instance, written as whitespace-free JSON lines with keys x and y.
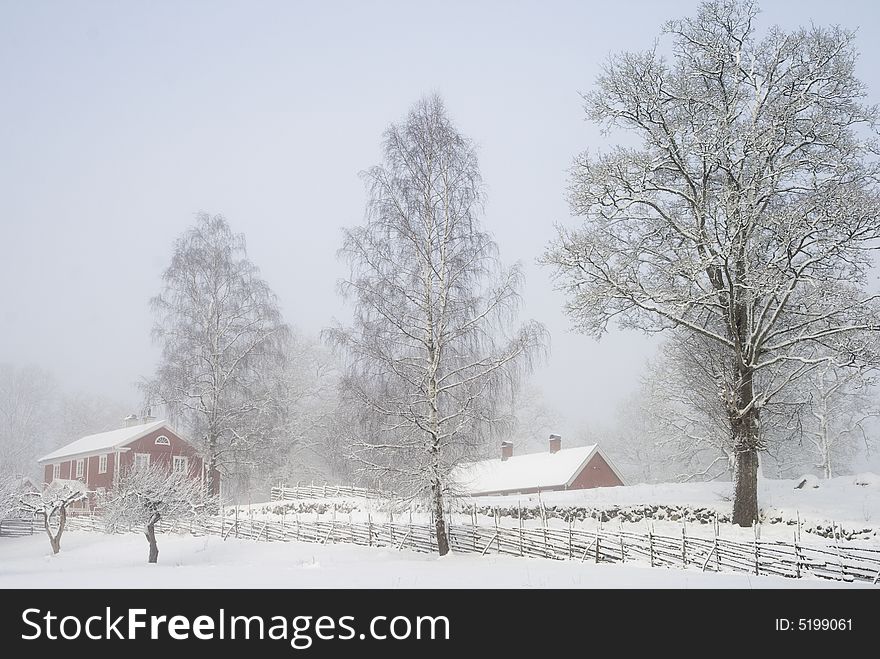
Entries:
{"x":525,"y":472}
{"x":103,"y":442}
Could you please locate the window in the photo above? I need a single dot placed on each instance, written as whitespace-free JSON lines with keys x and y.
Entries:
{"x":162,"y":440}
{"x":102,"y":464}
{"x":56,"y":471}
{"x":141,"y":460}
{"x":80,"y":467}
{"x":180,"y":464}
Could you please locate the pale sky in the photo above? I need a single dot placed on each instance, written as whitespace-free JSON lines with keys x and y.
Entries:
{"x":120,"y":120}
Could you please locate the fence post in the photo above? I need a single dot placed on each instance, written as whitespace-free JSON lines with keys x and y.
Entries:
{"x":474,"y":525}
{"x":391,"y":526}
{"x":569,"y":538}
{"x":369,"y":529}
{"x":684,"y":560}
{"x":597,"y":545}
{"x":519,"y":513}
{"x":837,"y":536}
{"x":650,"y":546}
{"x":757,"y":558}
{"x":544,"y":525}
{"x":718,"y":552}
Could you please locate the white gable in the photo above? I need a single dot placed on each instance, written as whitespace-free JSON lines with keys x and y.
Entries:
{"x":103,"y":442}
{"x":524,"y":472}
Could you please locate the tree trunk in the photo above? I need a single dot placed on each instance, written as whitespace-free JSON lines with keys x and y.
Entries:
{"x":744,"y":427}
{"x":826,"y":444}
{"x":212,"y":464}
{"x":55,"y":538}
{"x":745,"y":494}
{"x":439,"y":519}
{"x":151,"y":538}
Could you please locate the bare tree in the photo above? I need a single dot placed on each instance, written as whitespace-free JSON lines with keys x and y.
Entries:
{"x":27,"y":402}
{"x":633,"y":441}
{"x":533,"y":419}
{"x":679,"y":420}
{"x":52,"y":505}
{"x":222,"y":337}
{"x":432,"y":348}
{"x":839,"y":403}
{"x":746,"y":215}
{"x":79,"y":414}
{"x":146,"y":496}
{"x":311,"y":380}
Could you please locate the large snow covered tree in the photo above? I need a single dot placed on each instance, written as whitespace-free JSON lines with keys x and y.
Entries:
{"x":145,"y":496}
{"x":52,"y":504}
{"x":222,"y":337}
{"x":745,"y":210}
{"x":433,"y":347}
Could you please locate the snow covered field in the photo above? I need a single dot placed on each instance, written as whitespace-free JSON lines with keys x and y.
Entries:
{"x":95,"y":560}
{"x":851,"y":502}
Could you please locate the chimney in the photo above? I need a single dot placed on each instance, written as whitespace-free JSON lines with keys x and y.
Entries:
{"x":506,"y":450}
{"x":131,"y":420}
{"x":555,"y":443}
{"x":148,"y":416}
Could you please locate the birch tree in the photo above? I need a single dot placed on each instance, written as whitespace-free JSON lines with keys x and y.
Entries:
{"x":745,"y":212}
{"x":221,"y":333}
{"x":433,"y":348}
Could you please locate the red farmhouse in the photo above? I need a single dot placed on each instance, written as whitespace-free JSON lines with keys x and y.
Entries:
{"x":576,"y":468}
{"x":97,"y":460}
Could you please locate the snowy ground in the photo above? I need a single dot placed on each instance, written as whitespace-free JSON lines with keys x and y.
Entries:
{"x":95,"y":560}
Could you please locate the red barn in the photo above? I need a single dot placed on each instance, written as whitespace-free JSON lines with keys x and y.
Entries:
{"x":97,"y":459}
{"x":578,"y":468}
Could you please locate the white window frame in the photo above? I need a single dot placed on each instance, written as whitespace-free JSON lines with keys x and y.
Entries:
{"x":138,"y":464}
{"x":56,"y":471}
{"x":102,"y":464}
{"x":80,"y":468}
{"x":162,"y":440}
{"x":180,"y":460}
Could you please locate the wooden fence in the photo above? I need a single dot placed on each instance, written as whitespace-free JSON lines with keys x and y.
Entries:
{"x":285,"y":493}
{"x":762,"y":558}
{"x":15,"y":527}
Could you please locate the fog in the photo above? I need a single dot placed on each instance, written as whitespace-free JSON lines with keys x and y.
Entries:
{"x":120,"y":121}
